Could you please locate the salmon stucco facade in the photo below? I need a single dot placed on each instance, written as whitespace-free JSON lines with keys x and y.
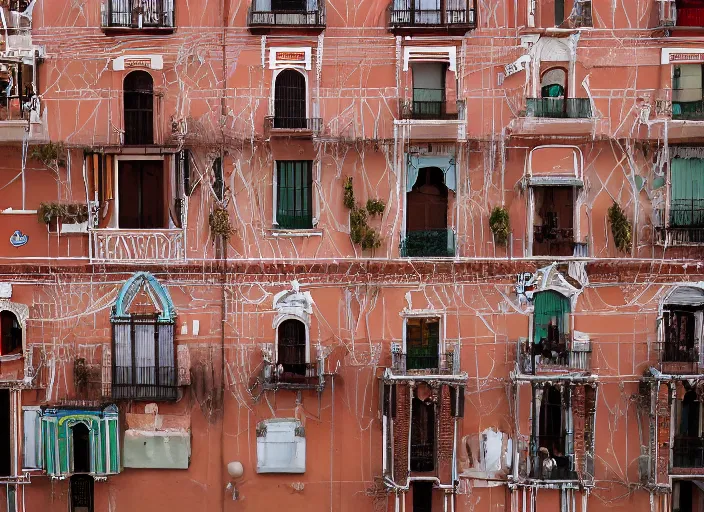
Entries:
{"x":352,"y":255}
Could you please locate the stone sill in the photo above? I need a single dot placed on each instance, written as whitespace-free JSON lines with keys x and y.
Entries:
{"x":293,"y":233}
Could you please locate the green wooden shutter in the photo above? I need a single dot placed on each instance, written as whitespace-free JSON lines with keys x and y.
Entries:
{"x":51,"y":446}
{"x":97,"y":443}
{"x":113,"y":454}
{"x":294,"y":195}
{"x":687,"y":193}
{"x":546,"y":305}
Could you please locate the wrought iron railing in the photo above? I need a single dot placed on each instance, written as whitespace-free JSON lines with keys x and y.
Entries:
{"x":422,"y":457}
{"x":688,"y":110}
{"x":425,"y":106}
{"x":306,"y":376}
{"x":440,"y":364}
{"x":454,"y":15}
{"x":687,"y":213}
{"x":312,"y":124}
{"x":431,"y":243}
{"x":572,"y":108}
{"x":565,"y":355}
{"x":287,"y":13}
{"x":688,"y":452}
{"x":161,"y":245}
{"x":138,"y":13}
{"x":144,"y":383}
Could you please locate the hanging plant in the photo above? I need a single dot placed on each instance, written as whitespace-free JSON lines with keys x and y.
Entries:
{"x":50,"y":154}
{"x":621,"y":228}
{"x":361,"y":232}
{"x":500,"y":225}
{"x":220,"y":223}
{"x":74,"y":213}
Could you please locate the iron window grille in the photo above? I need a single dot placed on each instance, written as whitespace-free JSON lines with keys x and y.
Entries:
{"x":290,"y":100}
{"x":144,"y":359}
{"x":294,"y":194}
{"x":138,"y":13}
{"x":139,"y":108}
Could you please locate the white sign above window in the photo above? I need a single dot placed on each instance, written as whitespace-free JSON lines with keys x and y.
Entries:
{"x":682,"y":55}
{"x":290,"y":57}
{"x":447,"y":54}
{"x":127,"y":62}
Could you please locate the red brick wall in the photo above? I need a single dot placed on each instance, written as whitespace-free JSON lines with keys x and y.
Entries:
{"x":446,"y":424}
{"x":401,"y":432}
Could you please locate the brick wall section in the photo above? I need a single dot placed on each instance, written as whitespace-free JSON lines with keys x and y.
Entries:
{"x":401,"y":432}
{"x":663,"y":433}
{"x":446,"y":429}
{"x":578,"y":418}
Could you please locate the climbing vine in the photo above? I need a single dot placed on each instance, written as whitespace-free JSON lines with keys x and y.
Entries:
{"x":220,"y":223}
{"x":361,"y":232}
{"x":500,"y":225}
{"x":621,"y":228}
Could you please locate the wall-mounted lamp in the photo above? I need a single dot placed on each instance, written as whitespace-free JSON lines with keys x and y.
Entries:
{"x":235,"y":470}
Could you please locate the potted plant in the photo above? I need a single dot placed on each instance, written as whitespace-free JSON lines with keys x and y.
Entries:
{"x":56,"y":214}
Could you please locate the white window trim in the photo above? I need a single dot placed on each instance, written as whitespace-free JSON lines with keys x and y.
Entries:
{"x":576,"y":231}
{"x":316,"y":171}
{"x":21,"y":312}
{"x":114,"y":218}
{"x":426,"y":313}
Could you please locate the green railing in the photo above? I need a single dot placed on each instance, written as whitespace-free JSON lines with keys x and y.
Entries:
{"x":691,"y":110}
{"x":431,"y":243}
{"x":572,"y":108}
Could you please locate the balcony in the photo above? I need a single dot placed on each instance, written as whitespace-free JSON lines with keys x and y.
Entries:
{"x":290,"y":14}
{"x":686,"y":226}
{"x":275,"y":377}
{"x":559,"y":108}
{"x":431,"y":109}
{"x":431,"y":243}
{"x":565,"y":356}
{"x":688,"y":452}
{"x":456,"y":18}
{"x":142,"y":15}
{"x":156,"y":245}
{"x":679,"y":359}
{"x":425,"y":364}
{"x":275,"y":126}
{"x":144,"y":383}
{"x":688,"y":110}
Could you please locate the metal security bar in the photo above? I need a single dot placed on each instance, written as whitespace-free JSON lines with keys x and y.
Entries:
{"x":431,"y":243}
{"x":687,"y":213}
{"x":138,"y":13}
{"x":274,"y":377}
{"x":294,"y":194}
{"x":144,"y":360}
{"x":139,"y":108}
{"x":573,"y":108}
{"x":288,"y":13}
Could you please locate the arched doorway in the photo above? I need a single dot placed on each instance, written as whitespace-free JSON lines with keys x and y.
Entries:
{"x":426,"y":216}
{"x":80,"y":438}
{"x":290,"y":100}
{"x":139,"y":108}
{"x":11,"y":333}
{"x":291,"y":350}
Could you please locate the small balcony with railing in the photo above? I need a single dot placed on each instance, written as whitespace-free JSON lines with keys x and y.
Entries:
{"x":425,"y":362}
{"x":685,"y":16}
{"x":305,"y":376}
{"x":138,"y":15}
{"x":132,"y":245}
{"x":685,"y":226}
{"x":565,"y":355}
{"x":268,"y":15}
{"x":144,"y":383}
{"x":431,"y":243}
{"x":291,"y":126}
{"x":559,"y":108}
{"x":430,"y":104}
{"x":454,"y":17}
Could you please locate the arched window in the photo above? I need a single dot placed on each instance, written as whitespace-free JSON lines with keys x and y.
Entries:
{"x":290,"y":100}
{"x":426,"y":216}
{"x":144,"y":355}
{"x":291,"y":349}
{"x":80,"y":439}
{"x":139,"y":108}
{"x":11,"y":332}
{"x":553,"y":83}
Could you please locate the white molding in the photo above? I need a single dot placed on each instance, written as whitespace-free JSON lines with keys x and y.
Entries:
{"x":275,"y":63}
{"x":446,"y":54}
{"x":156,"y":62}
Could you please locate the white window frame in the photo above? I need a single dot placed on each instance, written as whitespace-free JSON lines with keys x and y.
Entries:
{"x":426,"y":313}
{"x":316,"y":168}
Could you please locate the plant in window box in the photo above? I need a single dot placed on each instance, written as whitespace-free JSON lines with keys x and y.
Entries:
{"x":500,"y":225}
{"x":621,"y":228}
{"x":55,"y":214}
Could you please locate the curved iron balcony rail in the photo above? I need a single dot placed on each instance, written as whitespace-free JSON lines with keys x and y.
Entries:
{"x":138,"y":14}
{"x":430,"y":243}
{"x":571,"y":108}
{"x":403,"y":15}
